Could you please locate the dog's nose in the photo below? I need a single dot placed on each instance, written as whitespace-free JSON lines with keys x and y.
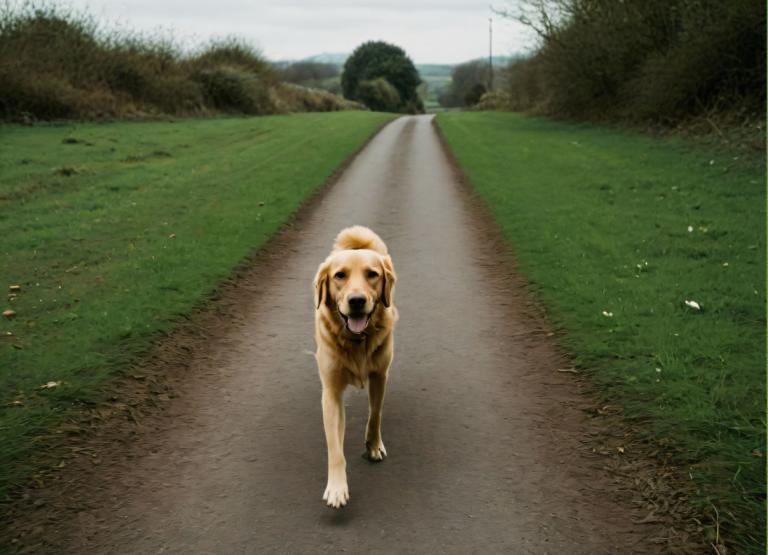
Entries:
{"x":356,"y":303}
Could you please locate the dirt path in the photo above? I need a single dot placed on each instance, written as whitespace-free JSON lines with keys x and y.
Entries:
{"x":485,"y":437}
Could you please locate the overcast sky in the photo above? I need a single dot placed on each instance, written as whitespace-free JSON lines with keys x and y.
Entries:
{"x":440,"y":31}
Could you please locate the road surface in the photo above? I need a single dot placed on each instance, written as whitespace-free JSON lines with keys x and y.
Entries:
{"x":485,"y":437}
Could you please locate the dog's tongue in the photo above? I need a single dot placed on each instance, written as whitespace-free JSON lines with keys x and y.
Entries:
{"x":357,"y":324}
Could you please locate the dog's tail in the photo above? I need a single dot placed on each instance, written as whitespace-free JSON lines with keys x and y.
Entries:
{"x":359,"y":237}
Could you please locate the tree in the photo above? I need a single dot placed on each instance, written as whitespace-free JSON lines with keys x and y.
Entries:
{"x":474,"y":94}
{"x":467,"y":84}
{"x":375,"y":59}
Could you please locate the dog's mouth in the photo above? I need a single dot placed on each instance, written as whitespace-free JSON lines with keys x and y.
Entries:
{"x":356,"y":323}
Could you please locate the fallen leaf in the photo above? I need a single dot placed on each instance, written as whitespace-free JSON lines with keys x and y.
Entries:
{"x":14,"y":287}
{"x":693,"y":304}
{"x":620,"y":450}
{"x":172,"y":236}
{"x":757,"y":453}
{"x":9,"y":313}
{"x":50,"y":385}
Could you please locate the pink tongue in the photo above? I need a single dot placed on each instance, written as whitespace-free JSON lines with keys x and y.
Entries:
{"x":357,"y":325}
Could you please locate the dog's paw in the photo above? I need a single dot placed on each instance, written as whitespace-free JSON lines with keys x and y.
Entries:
{"x":336,"y":494}
{"x":375,"y":451}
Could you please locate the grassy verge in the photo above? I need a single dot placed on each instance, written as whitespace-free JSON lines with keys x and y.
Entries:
{"x":112,"y":231}
{"x":615,"y":232}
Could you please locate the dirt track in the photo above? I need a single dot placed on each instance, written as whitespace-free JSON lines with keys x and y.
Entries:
{"x":485,"y":437}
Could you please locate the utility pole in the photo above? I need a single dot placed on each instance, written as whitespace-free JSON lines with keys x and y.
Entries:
{"x":490,"y":53}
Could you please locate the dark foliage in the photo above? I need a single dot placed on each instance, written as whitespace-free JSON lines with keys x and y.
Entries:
{"x":650,"y":60}
{"x":466,"y":82}
{"x":379,"y":95}
{"x":374,"y":60}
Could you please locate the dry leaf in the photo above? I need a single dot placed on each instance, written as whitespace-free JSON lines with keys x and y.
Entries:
{"x":9,"y":313}
{"x":50,"y":385}
{"x":14,"y":287}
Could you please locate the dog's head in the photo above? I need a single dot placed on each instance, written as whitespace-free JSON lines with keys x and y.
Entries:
{"x":353,"y":282}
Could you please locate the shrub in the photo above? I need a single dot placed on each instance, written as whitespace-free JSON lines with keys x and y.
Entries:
{"x":466,"y":80}
{"x":295,"y":98}
{"x":474,"y":94}
{"x":59,"y":64}
{"x":657,"y":60}
{"x":233,"y":90}
{"x":373,"y":60}
{"x":379,"y":95}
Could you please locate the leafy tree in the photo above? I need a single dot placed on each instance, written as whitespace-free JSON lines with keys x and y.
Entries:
{"x":375,"y":59}
{"x":467,"y":84}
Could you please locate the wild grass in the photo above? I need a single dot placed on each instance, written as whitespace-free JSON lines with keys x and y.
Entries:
{"x":57,"y":63}
{"x":615,"y":232}
{"x":112,"y":231}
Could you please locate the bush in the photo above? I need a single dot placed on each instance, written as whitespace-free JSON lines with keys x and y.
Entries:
{"x":232,"y":90}
{"x":374,"y":60}
{"x":59,"y":64}
{"x":295,"y":98}
{"x":379,"y":95}
{"x":652,"y":60}
{"x":474,"y":94}
{"x":467,"y":84}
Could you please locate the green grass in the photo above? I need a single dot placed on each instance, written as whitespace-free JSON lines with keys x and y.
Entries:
{"x":599,"y":221}
{"x":113,"y":236}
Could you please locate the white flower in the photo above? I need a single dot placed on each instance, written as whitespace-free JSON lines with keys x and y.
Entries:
{"x":607,"y":314}
{"x":693,"y":304}
{"x":690,"y":229}
{"x":658,"y":370}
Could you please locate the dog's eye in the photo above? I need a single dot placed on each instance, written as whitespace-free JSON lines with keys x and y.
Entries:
{"x":340,"y":275}
{"x":372,"y":274}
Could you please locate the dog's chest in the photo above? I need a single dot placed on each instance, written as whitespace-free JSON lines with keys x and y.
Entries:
{"x":357,"y":367}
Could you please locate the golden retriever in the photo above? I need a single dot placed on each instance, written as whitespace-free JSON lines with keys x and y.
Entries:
{"x":354,"y":319}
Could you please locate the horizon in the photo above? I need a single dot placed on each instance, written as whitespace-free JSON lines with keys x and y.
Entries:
{"x":300,"y":29}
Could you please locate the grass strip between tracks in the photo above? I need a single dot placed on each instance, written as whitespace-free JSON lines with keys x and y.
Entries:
{"x":615,"y":232}
{"x":112,"y":231}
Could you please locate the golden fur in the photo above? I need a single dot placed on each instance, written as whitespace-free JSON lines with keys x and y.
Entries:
{"x":354,"y":319}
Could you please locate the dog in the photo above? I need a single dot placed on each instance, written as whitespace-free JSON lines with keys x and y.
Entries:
{"x":355,"y":317}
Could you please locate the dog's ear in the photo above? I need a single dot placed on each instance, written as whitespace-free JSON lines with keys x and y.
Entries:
{"x":389,"y":279}
{"x":321,"y":283}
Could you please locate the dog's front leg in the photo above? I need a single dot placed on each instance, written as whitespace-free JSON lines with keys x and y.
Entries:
{"x":374,"y":446}
{"x":336,"y":492}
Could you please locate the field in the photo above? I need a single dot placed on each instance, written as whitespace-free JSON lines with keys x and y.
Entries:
{"x":112,"y":231}
{"x":435,"y":78}
{"x":617,"y":234}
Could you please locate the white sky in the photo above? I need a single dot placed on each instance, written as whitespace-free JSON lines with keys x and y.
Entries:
{"x":430,"y":31}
